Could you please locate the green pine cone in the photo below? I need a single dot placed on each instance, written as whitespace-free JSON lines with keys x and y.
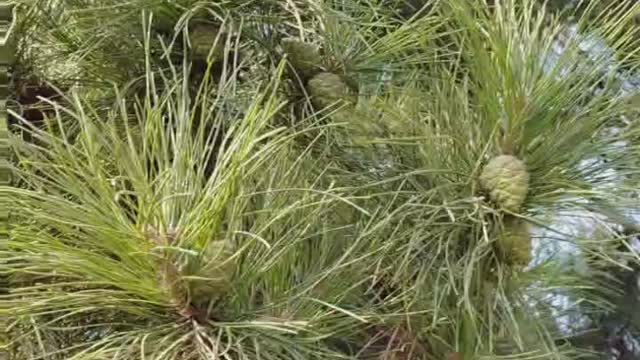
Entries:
{"x":165,"y":17}
{"x":327,"y":89}
{"x":506,"y":179}
{"x":304,"y":57}
{"x":214,"y":273}
{"x":514,"y":243}
{"x":202,"y":37}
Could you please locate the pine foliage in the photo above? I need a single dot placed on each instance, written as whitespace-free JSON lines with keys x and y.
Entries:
{"x":318,"y":180}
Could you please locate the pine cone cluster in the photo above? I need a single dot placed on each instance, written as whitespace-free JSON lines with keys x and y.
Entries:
{"x":506,"y":179}
{"x":325,"y":88}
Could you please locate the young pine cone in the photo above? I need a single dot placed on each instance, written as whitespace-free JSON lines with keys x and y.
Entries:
{"x":514,"y":243}
{"x":304,"y":57}
{"x":506,"y":179}
{"x":213,"y":273}
{"x":165,"y":17}
{"x":202,"y":37}
{"x":327,"y":89}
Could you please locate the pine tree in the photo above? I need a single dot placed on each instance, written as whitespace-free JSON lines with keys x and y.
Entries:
{"x":319,"y":180}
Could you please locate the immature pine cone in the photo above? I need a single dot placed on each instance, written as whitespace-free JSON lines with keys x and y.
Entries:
{"x":215,"y":271}
{"x":514,"y":243}
{"x":326,"y":89}
{"x":202,"y":37}
{"x":304,"y":57}
{"x":506,"y":179}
